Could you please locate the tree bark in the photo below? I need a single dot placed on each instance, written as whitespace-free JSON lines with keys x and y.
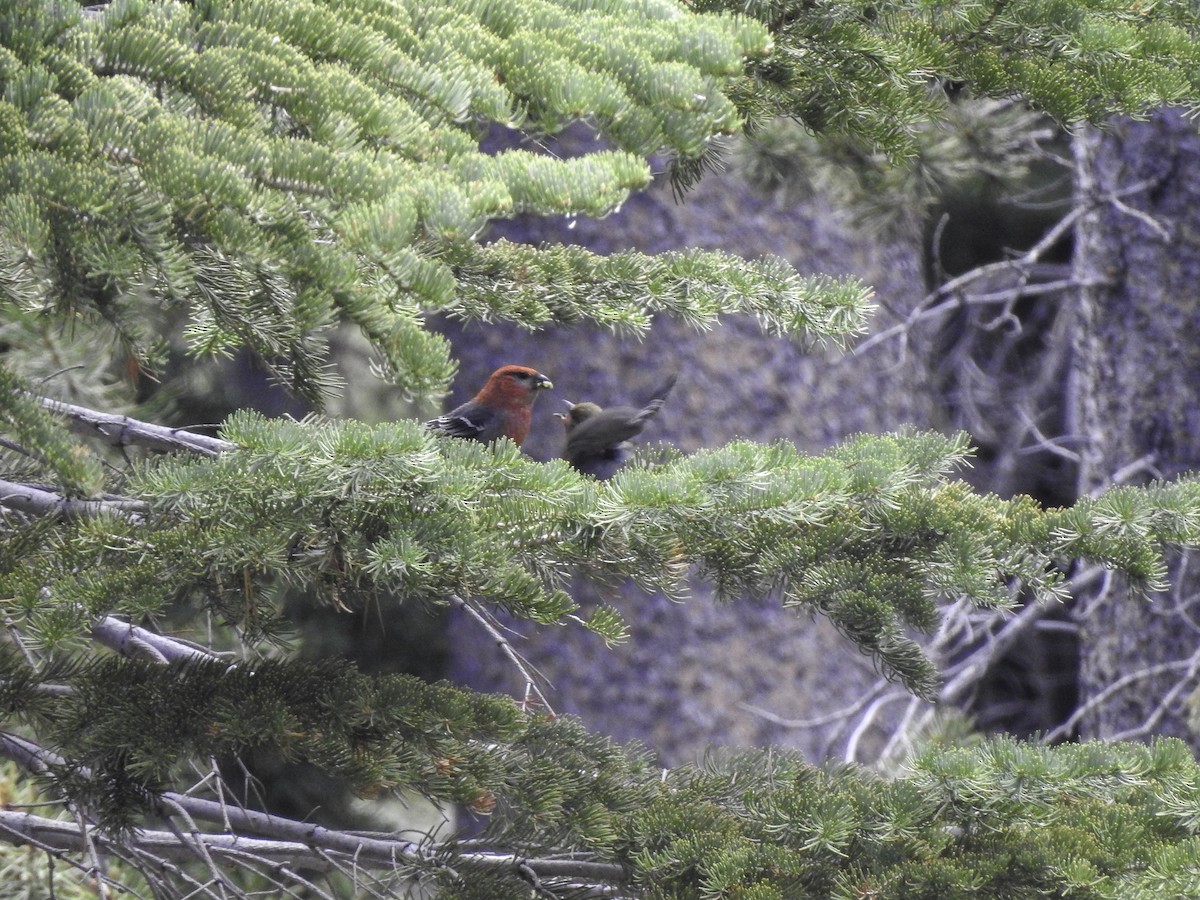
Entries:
{"x":1135,"y":398}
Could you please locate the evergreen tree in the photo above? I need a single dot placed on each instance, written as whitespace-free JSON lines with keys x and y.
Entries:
{"x":226,"y":176}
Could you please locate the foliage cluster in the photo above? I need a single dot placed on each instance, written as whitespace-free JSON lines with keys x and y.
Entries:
{"x":872,"y":535}
{"x":244,"y":174}
{"x":266,"y":168}
{"x":874,"y":75}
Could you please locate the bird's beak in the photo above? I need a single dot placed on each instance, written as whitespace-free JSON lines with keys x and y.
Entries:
{"x":542,"y":382}
{"x":570,"y":405}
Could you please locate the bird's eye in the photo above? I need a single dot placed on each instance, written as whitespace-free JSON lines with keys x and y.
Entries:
{"x":524,"y":376}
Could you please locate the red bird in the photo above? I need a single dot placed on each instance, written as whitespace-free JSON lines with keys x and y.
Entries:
{"x":503,"y":407}
{"x":598,"y":439}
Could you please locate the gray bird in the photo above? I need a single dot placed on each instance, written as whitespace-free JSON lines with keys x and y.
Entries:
{"x":598,"y":439}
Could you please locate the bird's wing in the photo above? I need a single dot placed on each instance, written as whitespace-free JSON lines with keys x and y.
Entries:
{"x":602,"y":438}
{"x":605,"y":429}
{"x":469,"y":421}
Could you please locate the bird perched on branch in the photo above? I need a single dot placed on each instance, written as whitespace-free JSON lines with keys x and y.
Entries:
{"x":503,"y":407}
{"x":598,"y":439}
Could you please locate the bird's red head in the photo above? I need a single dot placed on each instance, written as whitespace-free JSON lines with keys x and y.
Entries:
{"x":513,"y":386}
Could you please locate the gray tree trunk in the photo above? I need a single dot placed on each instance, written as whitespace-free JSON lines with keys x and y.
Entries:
{"x":1136,"y":399}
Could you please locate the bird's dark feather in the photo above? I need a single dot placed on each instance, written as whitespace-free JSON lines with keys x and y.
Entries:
{"x":464,"y":423}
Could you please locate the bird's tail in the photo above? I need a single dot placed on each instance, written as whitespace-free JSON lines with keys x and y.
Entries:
{"x":658,"y":398}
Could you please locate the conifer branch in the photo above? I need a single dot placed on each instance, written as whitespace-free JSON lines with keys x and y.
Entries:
{"x":287,"y":840}
{"x":270,"y":168}
{"x":318,"y":849}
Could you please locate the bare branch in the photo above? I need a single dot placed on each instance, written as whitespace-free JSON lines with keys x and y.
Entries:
{"x":122,"y":431}
{"x":981,"y":661}
{"x":63,"y":836}
{"x":30,"y":840}
{"x":134,"y":641}
{"x":119,"y":431}
{"x":507,"y":649}
{"x":15,"y":634}
{"x":948,"y":296}
{"x":194,"y":842}
{"x":1192,"y":667}
{"x":288,"y":840}
{"x":828,"y":719}
{"x":89,"y":844}
{"x":37,"y":500}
